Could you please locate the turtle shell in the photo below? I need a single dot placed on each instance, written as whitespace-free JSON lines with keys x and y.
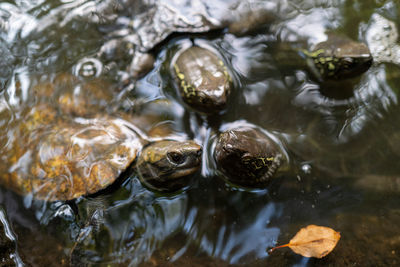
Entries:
{"x":61,"y":144}
{"x":247,"y":156}
{"x":60,"y":158}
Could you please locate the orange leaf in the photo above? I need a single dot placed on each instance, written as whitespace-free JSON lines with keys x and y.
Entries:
{"x":313,"y":241}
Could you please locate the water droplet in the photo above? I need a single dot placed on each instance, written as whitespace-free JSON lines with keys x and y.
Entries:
{"x":88,"y":68}
{"x":306,"y":168}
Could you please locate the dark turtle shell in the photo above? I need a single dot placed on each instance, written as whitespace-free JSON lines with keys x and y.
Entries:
{"x":339,"y":58}
{"x":203,"y":79}
{"x":247,"y":156}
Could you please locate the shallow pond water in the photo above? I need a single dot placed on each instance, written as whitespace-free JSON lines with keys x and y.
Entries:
{"x":342,"y":138}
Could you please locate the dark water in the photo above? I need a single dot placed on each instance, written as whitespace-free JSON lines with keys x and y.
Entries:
{"x":342,"y":139}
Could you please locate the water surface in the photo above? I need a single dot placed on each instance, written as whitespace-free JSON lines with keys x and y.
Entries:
{"x":342,"y":137}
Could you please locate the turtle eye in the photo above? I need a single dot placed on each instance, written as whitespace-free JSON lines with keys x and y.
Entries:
{"x":176,"y":157}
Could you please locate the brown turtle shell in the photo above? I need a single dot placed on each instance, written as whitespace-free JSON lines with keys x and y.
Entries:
{"x":56,"y":149}
{"x":62,"y":159}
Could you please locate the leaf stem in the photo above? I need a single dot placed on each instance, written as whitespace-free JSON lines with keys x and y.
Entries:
{"x":282,"y":246}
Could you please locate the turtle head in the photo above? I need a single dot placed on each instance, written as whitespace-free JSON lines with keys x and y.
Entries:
{"x":167,"y":165}
{"x":340,"y":58}
{"x":247,"y":157}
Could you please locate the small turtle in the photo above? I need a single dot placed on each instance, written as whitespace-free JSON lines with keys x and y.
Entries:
{"x":202,"y":78}
{"x":247,"y":156}
{"x":55,"y":154}
{"x":337,"y":58}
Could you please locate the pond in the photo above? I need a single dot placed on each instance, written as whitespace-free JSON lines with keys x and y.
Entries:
{"x":69,"y":63}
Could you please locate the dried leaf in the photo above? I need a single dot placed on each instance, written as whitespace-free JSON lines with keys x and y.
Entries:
{"x":313,"y":241}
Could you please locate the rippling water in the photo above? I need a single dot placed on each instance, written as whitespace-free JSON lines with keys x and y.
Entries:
{"x":342,"y":138}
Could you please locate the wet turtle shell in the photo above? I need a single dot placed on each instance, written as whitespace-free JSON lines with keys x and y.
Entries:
{"x":202,"y":79}
{"x":55,"y":155}
{"x":339,"y":58}
{"x":65,"y":159}
{"x":247,"y":156}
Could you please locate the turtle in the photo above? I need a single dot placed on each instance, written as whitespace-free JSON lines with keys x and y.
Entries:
{"x":60,"y":152}
{"x":334,"y":59}
{"x":248,"y":156}
{"x":202,"y":79}
{"x":338,"y":58}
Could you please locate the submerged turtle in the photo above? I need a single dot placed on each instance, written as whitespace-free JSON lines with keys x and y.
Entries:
{"x":339,"y":58}
{"x":336,"y":58}
{"x":54,"y":155}
{"x":202,"y":78}
{"x":248,"y":156}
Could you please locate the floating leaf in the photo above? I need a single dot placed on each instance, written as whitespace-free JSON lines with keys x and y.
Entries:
{"x":313,"y":241}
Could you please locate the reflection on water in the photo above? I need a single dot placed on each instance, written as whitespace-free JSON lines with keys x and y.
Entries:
{"x":341,"y":137}
{"x":8,"y":247}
